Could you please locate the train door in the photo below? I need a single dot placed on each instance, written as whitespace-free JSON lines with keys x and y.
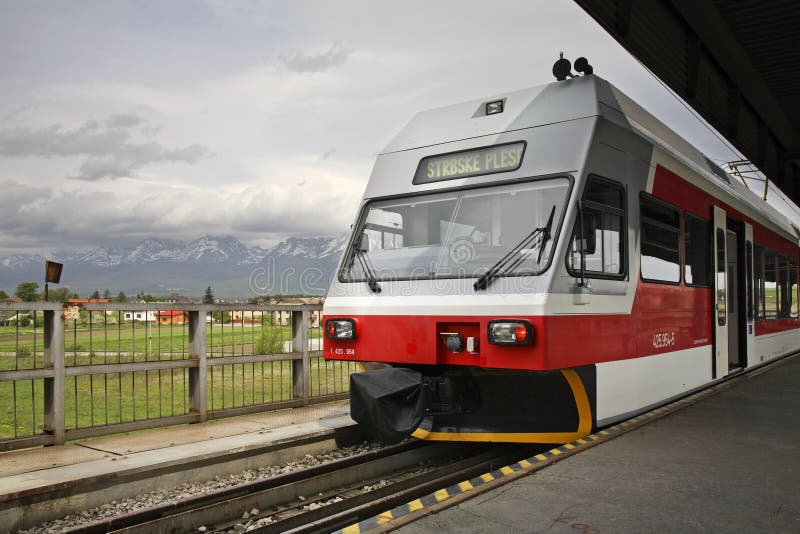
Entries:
{"x":732,"y":308}
{"x":749,"y":334}
{"x":719,"y":365}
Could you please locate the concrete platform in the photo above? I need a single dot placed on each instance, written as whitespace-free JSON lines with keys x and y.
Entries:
{"x":729,"y":463}
{"x":40,"y":484}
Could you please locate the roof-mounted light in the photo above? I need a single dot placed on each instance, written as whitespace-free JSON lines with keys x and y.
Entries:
{"x":494,"y":107}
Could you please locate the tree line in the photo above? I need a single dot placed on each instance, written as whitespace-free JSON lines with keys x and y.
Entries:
{"x":29,"y":292}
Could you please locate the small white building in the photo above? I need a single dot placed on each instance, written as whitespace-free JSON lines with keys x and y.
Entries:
{"x":148,"y":316}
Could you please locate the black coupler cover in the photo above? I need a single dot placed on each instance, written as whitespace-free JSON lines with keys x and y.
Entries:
{"x":389,"y":402}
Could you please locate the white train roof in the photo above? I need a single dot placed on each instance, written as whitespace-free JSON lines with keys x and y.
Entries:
{"x":577,"y":98}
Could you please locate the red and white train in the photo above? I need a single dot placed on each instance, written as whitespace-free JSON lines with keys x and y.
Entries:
{"x":538,"y":264}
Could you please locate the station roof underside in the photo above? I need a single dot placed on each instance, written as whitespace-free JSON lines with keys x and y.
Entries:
{"x":736,"y":62}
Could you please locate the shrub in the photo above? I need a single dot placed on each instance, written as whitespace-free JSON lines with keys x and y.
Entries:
{"x":270,"y":341}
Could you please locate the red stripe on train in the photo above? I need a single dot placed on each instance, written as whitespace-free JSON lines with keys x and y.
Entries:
{"x":664,"y":319}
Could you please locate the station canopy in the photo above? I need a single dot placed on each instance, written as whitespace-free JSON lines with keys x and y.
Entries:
{"x":736,"y":62}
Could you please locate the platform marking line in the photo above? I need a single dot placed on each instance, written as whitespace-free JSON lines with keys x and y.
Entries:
{"x":385,"y":517}
{"x":536,"y":462}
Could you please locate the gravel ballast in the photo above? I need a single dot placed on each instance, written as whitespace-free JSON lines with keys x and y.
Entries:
{"x":190,"y":489}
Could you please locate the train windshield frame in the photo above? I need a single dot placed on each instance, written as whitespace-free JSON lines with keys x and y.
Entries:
{"x":457,"y":233}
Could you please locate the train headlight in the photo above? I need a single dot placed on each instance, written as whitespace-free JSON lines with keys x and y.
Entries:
{"x":506,"y":332}
{"x":340,"y":329}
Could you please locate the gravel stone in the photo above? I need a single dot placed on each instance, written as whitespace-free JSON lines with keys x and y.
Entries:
{"x":183,"y":491}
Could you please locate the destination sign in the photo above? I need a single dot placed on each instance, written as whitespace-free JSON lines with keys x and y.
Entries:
{"x":489,"y":160}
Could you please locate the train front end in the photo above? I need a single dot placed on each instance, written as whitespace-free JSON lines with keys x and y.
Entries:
{"x":447,"y":282}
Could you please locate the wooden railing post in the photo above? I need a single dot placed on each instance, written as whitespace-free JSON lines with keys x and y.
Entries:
{"x":301,"y":369}
{"x":54,"y":414}
{"x":197,"y":375}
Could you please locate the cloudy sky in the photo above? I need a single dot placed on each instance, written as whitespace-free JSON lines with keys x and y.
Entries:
{"x":124,"y":120}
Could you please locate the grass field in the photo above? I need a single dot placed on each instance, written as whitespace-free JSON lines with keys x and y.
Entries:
{"x":123,"y":397}
{"x":135,"y":342}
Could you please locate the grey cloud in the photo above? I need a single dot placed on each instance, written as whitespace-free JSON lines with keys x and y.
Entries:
{"x":55,"y":141}
{"x":132,"y":157}
{"x":15,"y":200}
{"x":95,"y":169}
{"x":310,"y":63}
{"x":125,"y":120}
{"x":17,"y":194}
{"x":189,"y":154}
{"x":108,"y":145}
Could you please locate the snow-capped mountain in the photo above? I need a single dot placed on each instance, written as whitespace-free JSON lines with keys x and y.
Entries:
{"x":206,"y":249}
{"x":309,"y":247}
{"x":164,"y":265}
{"x":21,"y":260}
{"x":153,"y":249}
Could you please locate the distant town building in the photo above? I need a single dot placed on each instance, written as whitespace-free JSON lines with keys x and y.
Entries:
{"x":284,"y":317}
{"x":148,"y":316}
{"x":95,"y":314}
{"x":168,"y":317}
{"x":77,"y":302}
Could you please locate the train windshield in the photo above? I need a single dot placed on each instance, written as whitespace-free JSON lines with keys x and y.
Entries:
{"x":456,"y":234}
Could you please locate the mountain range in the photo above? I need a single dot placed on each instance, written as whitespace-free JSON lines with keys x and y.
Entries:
{"x":162,"y":266}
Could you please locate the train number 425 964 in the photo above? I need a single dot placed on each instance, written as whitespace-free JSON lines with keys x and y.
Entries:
{"x":663,"y":339}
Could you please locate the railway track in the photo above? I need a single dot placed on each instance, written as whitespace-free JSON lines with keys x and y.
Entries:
{"x":321,"y":498}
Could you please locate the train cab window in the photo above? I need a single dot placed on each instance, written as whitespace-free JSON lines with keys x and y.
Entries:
{"x":697,"y":251}
{"x":758,"y":282}
{"x":598,"y":240}
{"x":661,"y":240}
{"x":458,"y":234}
{"x":770,"y":286}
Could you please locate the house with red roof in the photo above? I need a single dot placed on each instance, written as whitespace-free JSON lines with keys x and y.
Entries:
{"x":168,"y":317}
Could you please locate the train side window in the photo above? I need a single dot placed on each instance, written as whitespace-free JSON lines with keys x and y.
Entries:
{"x":697,"y":251}
{"x":758,"y":282}
{"x":770,"y":287}
{"x":598,"y":242}
{"x":784,"y":288}
{"x":661,"y":240}
{"x":722,"y":295}
{"x":793,"y":288}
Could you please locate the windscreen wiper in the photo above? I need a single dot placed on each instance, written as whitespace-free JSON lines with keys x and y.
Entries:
{"x":518,"y":254}
{"x":369,"y":271}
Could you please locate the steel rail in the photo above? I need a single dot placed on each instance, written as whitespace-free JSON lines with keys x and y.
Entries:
{"x":281,"y":497}
{"x":364,"y":505}
{"x":211,"y":507}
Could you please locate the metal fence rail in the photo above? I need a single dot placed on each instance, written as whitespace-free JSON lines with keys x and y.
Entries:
{"x":69,"y":373}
